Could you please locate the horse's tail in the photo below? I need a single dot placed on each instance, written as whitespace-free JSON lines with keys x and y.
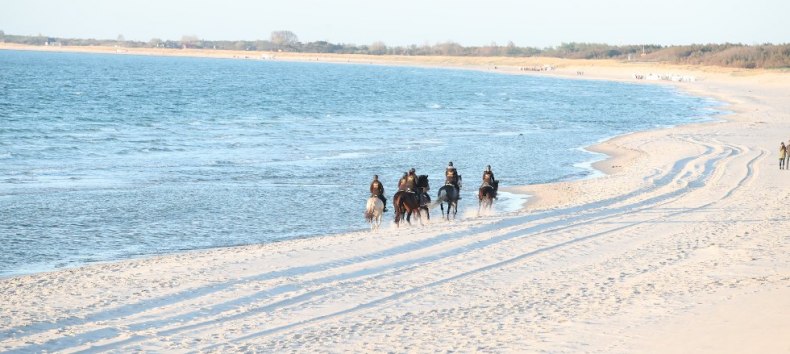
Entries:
{"x":442,"y":197}
{"x":396,"y":203}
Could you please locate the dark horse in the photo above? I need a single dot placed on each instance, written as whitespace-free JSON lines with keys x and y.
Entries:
{"x":448,"y":194}
{"x":486,"y":195}
{"x":406,"y":203}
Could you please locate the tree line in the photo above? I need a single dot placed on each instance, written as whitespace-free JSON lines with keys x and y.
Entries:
{"x":727,"y":54}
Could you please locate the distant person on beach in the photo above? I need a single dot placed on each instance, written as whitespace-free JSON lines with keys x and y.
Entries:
{"x":782,"y":155}
{"x":402,"y":182}
{"x":787,"y":156}
{"x":377,"y":189}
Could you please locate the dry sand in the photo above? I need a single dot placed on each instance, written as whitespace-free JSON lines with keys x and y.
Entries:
{"x":681,"y":247}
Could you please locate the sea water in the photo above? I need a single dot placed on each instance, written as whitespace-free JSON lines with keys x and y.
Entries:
{"x":106,"y":157}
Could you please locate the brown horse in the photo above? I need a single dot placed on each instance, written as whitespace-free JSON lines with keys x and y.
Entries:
{"x":406,"y":203}
{"x":486,"y":195}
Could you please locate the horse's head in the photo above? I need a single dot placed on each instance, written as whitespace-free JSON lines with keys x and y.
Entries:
{"x":422,"y":181}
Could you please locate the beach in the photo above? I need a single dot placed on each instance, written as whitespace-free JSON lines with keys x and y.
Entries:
{"x":680,"y":247}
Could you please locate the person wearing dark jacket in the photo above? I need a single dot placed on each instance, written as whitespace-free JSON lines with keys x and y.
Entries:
{"x":488,"y":177}
{"x":411,"y":181}
{"x":402,"y":182}
{"x":451,"y":177}
{"x":377,"y":189}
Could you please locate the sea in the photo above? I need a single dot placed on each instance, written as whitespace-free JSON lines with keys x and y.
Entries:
{"x":106,"y":157}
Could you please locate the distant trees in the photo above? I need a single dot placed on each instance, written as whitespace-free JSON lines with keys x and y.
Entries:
{"x":448,"y":48}
{"x":322,"y":47}
{"x":191,"y":41}
{"x":377,"y":48}
{"x":284,"y":39}
{"x":727,"y":54}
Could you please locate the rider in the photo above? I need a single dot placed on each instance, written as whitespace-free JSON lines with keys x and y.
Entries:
{"x":488,"y":178}
{"x":377,"y":189}
{"x":402,"y":182}
{"x":451,"y":177}
{"x":411,"y":181}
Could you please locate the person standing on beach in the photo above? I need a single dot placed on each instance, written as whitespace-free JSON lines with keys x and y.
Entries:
{"x":787,"y":156}
{"x":377,"y":189}
{"x":782,"y":155}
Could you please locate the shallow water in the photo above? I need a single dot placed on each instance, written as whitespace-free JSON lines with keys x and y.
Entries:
{"x":106,"y":157}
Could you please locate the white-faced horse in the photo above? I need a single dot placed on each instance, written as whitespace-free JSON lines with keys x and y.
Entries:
{"x":374,"y":211}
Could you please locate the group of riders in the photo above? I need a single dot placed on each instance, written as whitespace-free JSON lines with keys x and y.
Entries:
{"x":408,"y":182}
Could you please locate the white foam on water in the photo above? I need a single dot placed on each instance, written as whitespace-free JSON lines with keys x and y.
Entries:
{"x":587,"y":165}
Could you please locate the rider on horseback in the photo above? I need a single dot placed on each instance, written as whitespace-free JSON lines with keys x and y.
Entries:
{"x":411,"y":182}
{"x":377,"y":190}
{"x":451,"y":177}
{"x":402,"y":182}
{"x":488,"y":178}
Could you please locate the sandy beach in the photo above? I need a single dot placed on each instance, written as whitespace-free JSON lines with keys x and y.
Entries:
{"x":680,"y":247}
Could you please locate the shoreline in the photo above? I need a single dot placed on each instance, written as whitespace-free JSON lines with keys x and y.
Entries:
{"x":683,"y":229}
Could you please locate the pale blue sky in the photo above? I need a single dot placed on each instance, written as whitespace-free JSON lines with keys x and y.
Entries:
{"x":400,"y":22}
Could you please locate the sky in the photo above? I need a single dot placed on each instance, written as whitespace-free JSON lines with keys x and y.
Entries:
{"x":539,"y":24}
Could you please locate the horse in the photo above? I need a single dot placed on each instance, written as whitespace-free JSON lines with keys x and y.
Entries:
{"x":448,"y":194}
{"x":486,"y":195}
{"x":408,"y":203}
{"x":373,"y":212}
